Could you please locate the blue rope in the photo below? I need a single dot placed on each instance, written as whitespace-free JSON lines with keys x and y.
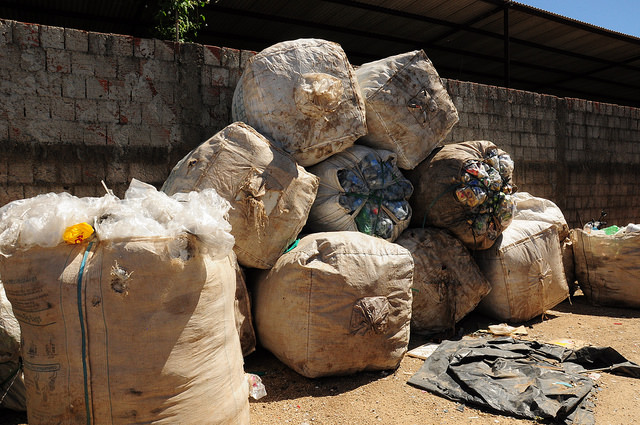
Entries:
{"x":82,"y":329}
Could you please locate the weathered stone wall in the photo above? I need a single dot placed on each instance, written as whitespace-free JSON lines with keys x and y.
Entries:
{"x":78,"y":108}
{"x":580,"y":154}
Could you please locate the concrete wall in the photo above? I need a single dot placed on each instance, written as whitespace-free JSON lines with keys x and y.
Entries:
{"x":78,"y":107}
{"x":582,"y":155}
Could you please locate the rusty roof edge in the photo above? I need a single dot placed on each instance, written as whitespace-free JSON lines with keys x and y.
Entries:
{"x":525,"y":8}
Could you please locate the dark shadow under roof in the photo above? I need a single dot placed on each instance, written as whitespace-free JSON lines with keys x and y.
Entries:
{"x":493,"y":42}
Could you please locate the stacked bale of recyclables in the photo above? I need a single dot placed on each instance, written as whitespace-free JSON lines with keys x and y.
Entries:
{"x":524,"y":266}
{"x":529,"y":207}
{"x":303,"y":95}
{"x":11,"y":378}
{"x":447,"y":283}
{"x":270,"y":194}
{"x":361,"y":189}
{"x":466,"y":188}
{"x":337,"y":303}
{"x":134,"y":322}
{"x":408,"y":109}
{"x":607,"y":265}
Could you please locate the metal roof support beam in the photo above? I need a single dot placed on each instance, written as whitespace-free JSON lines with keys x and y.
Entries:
{"x":507,"y":47}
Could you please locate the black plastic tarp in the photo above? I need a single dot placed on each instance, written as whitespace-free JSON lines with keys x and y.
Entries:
{"x":521,"y":378}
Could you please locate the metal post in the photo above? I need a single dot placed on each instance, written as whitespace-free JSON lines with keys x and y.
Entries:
{"x":507,"y":47}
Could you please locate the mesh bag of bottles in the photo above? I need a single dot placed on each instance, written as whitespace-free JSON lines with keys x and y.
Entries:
{"x":466,"y":188}
{"x":361,"y":189}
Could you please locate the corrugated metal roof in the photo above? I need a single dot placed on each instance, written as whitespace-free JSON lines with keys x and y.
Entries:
{"x":465,"y":39}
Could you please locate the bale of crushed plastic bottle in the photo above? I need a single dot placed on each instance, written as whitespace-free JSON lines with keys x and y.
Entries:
{"x":467,"y":189}
{"x":447,"y":283}
{"x":408,"y":109}
{"x":271,"y":195}
{"x":119,"y":325}
{"x":337,"y":303}
{"x":12,"y":390}
{"x":606,"y":265}
{"x":304,"y":95}
{"x":361,"y":189}
{"x":525,"y":270}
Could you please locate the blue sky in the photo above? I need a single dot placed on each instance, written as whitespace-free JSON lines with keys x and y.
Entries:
{"x":617,"y":15}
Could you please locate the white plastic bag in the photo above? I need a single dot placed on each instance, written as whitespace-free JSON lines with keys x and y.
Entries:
{"x":144,"y":212}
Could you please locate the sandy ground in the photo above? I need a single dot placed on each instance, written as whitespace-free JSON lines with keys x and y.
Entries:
{"x":386,"y":398}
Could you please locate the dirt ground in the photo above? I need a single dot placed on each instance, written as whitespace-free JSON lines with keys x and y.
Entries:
{"x":386,"y":398}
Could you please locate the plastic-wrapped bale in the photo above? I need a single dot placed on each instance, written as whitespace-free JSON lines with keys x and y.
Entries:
{"x":524,"y":268}
{"x":466,"y":188}
{"x":126,"y":329}
{"x":361,"y":189}
{"x":271,"y":195}
{"x":608,"y":266}
{"x":12,"y":390}
{"x":304,"y":95}
{"x":337,"y":303}
{"x":447,"y":283}
{"x":408,"y":109}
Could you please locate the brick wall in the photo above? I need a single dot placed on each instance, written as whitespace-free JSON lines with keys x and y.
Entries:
{"x":580,"y":154}
{"x":78,"y":107}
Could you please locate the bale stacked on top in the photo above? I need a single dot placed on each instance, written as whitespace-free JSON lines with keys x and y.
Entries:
{"x":408,"y":109}
{"x":303,"y":95}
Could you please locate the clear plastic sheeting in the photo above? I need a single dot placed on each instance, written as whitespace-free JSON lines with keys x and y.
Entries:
{"x":144,"y":212}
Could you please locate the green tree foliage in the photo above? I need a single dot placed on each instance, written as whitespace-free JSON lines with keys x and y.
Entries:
{"x":179,"y":20}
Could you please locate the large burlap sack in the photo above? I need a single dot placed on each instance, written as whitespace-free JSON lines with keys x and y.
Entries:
{"x":12,"y":391}
{"x":270,"y":194}
{"x":304,"y":95}
{"x":338,"y":303}
{"x":408,"y":109}
{"x":607,"y":267}
{"x":123,"y":331}
{"x":524,"y":268}
{"x":361,"y":189}
{"x":447,"y":283}
{"x":529,"y":207}
{"x":465,"y":188}
{"x":244,"y":318}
